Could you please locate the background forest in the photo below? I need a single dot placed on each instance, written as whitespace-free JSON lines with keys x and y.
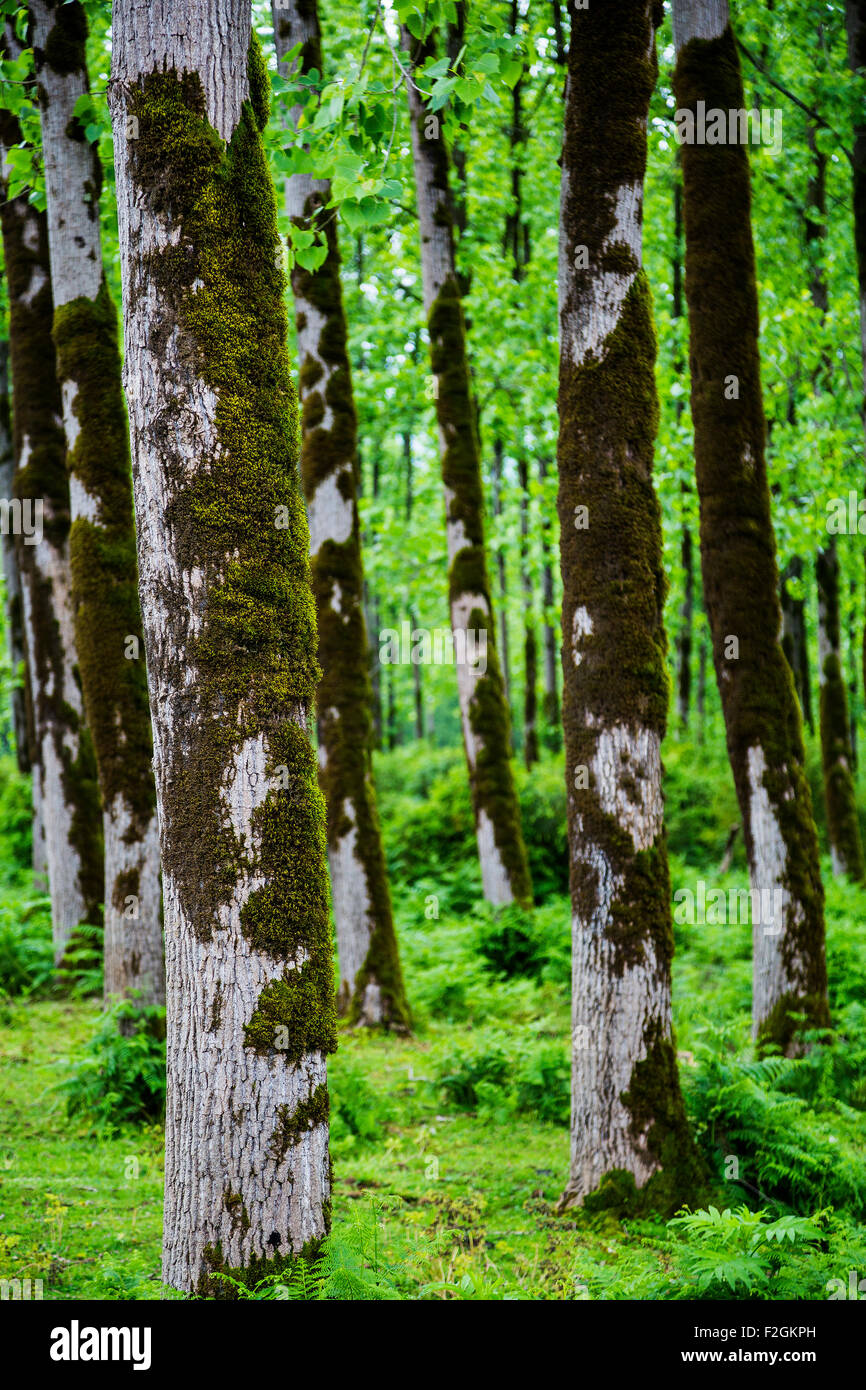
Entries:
{"x":456,"y":1158}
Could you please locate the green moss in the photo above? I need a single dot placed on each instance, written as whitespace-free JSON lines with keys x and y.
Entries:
{"x":237,"y":1212}
{"x":737,"y":543}
{"x":257,"y":1268}
{"x":492,"y":779}
{"x":65,"y":46}
{"x":256,"y":653}
{"x":103,"y":559}
{"x":345,"y":698}
{"x":614,"y":586}
{"x":292,"y":1125}
{"x":843,"y":825}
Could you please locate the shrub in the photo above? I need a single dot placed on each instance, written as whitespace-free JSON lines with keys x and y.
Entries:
{"x":26,"y":952}
{"x":119,"y":1078}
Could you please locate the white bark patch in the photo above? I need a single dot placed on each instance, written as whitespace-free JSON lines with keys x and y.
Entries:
{"x":587,"y":322}
{"x":38,"y":279}
{"x":699,"y":19}
{"x":581,"y":626}
{"x":82,"y":506}
{"x":628,"y":777}
{"x":329,"y":514}
{"x":772,"y":976}
{"x":133,"y":930}
{"x":467,"y":676}
{"x":611,"y":1015}
{"x":494,"y":876}
{"x":352,"y":905}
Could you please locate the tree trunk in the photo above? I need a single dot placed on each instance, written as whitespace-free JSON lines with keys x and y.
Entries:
{"x":552,"y":719}
{"x":65,"y":793}
{"x":501,"y":572}
{"x":740,"y":578}
{"x":230,"y":636}
{"x":794,"y":643}
{"x":108,"y":631}
{"x":483,"y":707}
{"x":855,"y":24}
{"x":371,"y":981}
{"x":14,"y":625}
{"x":530,"y":652}
{"x":684,"y":636}
{"x":684,"y":639}
{"x":416,"y":665}
{"x":843,"y":827}
{"x":628,"y":1120}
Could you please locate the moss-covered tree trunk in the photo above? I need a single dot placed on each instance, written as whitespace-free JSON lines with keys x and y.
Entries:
{"x":483,"y":707}
{"x":738,"y":559}
{"x":67,"y":822}
{"x":530,"y":644}
{"x":552,"y":717}
{"x":855,"y":25}
{"x":371,"y":981}
{"x":108,"y":631}
{"x":230,"y":635}
{"x":843,"y":826}
{"x":628,"y":1124}
{"x":16,"y":652}
{"x":794,"y":643}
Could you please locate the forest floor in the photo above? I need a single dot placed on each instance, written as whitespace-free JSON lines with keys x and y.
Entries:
{"x":451,"y":1146}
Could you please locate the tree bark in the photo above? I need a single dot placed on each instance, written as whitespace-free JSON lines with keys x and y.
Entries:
{"x":552,"y":719}
{"x":371,"y":980}
{"x":108,"y":631}
{"x":628,"y":1127}
{"x":14,"y":627}
{"x":496,"y":489}
{"x":740,"y":578}
{"x":483,"y":707}
{"x":65,"y":794}
{"x":530,"y":650}
{"x":230,"y":636}
{"x":794,"y":643}
{"x":843,"y":826}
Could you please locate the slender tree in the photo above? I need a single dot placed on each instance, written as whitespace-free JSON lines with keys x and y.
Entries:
{"x":794,"y":643}
{"x":628,"y":1124}
{"x":230,"y":636}
{"x":843,"y":825}
{"x":371,"y":981}
{"x":68,"y":833}
{"x":19,"y":695}
{"x":108,"y":630}
{"x":483,"y":707}
{"x":738,"y":559}
{"x":552,"y":719}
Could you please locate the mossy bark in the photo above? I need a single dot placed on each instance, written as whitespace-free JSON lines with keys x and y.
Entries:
{"x":371,"y":980}
{"x":738,"y":558}
{"x":794,"y":643}
{"x":843,"y":826}
{"x":483,"y":706}
{"x":19,"y":695}
{"x":630,"y":1142}
{"x":552,"y":715}
{"x":66,"y":796}
{"x":855,"y":25}
{"x":230,"y":633}
{"x":530,"y":644}
{"x":108,"y":630}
